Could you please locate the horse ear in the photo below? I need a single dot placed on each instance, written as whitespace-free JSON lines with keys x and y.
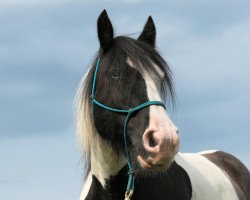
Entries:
{"x":149,"y":32}
{"x":105,"y":31}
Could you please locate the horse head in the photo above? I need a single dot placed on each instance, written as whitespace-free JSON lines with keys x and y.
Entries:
{"x":130,"y":73}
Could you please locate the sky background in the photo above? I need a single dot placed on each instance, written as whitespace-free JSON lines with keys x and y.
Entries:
{"x":45,"y":48}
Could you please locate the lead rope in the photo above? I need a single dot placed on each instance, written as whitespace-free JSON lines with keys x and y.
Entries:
{"x":131,"y":179}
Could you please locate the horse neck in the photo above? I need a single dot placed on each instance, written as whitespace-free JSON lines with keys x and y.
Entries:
{"x":104,"y":162}
{"x":157,"y":186}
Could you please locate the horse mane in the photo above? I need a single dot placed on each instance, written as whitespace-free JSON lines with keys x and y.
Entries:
{"x":144,"y":58}
{"x":87,"y":136}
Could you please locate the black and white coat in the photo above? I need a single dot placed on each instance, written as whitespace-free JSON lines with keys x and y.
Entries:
{"x":208,"y":175}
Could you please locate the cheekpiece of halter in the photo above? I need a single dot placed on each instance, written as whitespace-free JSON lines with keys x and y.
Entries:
{"x":131,"y":179}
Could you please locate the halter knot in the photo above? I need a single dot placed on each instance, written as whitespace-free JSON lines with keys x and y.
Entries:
{"x":131,"y":172}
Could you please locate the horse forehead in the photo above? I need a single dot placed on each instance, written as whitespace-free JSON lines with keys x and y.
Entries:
{"x":152,"y":91}
{"x":157,"y":68}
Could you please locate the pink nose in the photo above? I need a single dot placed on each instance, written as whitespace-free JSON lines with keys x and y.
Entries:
{"x":154,"y":142}
{"x":161,"y":146}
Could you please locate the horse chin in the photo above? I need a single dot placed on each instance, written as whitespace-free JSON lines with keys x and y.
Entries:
{"x":162,"y":166}
{"x":146,"y":166}
{"x":149,"y":171}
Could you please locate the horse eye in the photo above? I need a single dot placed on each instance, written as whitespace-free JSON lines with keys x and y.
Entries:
{"x":115,"y":75}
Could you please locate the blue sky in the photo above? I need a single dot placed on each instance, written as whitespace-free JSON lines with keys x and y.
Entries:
{"x":46,"y":47}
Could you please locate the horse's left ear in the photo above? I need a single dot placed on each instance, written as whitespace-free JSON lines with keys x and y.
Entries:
{"x":105,"y":31}
{"x":149,"y":32}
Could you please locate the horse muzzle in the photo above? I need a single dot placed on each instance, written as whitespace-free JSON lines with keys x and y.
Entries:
{"x":161,"y":147}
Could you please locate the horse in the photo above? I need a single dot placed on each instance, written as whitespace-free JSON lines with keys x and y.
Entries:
{"x":129,"y":143}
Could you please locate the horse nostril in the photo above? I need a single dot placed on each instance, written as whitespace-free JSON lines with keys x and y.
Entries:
{"x":152,"y":142}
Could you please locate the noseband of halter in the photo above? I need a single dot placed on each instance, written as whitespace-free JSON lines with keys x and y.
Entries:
{"x":130,"y":186}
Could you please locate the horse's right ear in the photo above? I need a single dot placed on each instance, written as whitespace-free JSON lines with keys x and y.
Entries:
{"x":105,"y":31}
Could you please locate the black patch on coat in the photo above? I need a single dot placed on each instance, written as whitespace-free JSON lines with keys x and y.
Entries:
{"x":238,"y":174}
{"x":96,"y":191}
{"x":171,"y":185}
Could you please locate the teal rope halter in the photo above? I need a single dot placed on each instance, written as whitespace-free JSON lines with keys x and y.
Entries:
{"x":131,"y":178}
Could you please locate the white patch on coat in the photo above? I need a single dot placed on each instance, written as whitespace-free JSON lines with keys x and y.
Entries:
{"x":158,"y":114}
{"x":208,"y":181}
